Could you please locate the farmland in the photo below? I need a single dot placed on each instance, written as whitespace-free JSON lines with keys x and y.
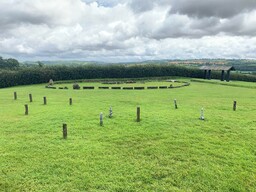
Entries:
{"x":168,"y":150}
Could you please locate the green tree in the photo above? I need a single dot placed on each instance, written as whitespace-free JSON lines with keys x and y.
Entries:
{"x":40,"y":64}
{"x":8,"y":63}
{"x":12,"y":63}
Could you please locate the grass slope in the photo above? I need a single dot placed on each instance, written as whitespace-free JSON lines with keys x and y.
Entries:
{"x":169,"y":150}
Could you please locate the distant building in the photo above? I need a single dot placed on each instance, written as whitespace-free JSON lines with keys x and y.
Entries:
{"x":223,"y":69}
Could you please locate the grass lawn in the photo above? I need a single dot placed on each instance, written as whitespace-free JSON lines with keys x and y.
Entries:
{"x":169,"y":150}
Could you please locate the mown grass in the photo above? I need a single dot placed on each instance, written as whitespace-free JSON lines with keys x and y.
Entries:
{"x":169,"y":150}
{"x":231,"y":83}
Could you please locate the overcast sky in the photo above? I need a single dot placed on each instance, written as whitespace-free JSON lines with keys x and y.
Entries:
{"x":127,"y":30}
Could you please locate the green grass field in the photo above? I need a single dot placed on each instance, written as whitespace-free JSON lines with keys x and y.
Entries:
{"x":169,"y":150}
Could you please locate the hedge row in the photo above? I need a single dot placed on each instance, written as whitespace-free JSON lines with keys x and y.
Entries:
{"x":26,"y":76}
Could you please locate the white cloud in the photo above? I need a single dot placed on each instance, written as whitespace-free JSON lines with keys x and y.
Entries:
{"x":126,"y":30}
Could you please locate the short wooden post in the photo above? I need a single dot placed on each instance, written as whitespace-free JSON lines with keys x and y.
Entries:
{"x":101,"y":119}
{"x":15,"y":95}
{"x":234,"y":106}
{"x":65,"y":131}
{"x":70,"y":101}
{"x":138,"y":114}
{"x":175,"y":104}
{"x":30,"y":97}
{"x":45,"y":101}
{"x":26,"y":109}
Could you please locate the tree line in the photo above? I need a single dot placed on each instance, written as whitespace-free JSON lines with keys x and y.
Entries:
{"x":9,"y":63}
{"x":36,"y":75}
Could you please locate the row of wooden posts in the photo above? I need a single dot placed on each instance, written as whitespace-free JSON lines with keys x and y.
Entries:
{"x":44,"y":99}
{"x":71,"y":102}
{"x":110,"y":111}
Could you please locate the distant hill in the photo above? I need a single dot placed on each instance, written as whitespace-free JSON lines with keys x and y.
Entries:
{"x":62,"y":62}
{"x":240,"y":65}
{"x":244,"y":65}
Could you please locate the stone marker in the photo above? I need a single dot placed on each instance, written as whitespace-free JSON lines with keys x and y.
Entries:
{"x":50,"y":82}
{"x":110,"y":112}
{"x":202,"y":114}
{"x":70,"y":101}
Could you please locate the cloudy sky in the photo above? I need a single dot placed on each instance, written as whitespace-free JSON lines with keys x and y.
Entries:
{"x":127,"y":30}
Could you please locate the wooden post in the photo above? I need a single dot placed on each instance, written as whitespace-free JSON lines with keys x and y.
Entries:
{"x":175,"y":104}
{"x":65,"y":131}
{"x":30,"y":97}
{"x":101,"y":119}
{"x":70,"y":101}
{"x":26,"y":109}
{"x":234,"y":106}
{"x":15,"y":95}
{"x":138,"y":114}
{"x":45,"y":101}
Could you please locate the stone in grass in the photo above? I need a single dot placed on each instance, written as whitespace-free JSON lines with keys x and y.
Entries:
{"x":202,"y":114}
{"x":50,"y":82}
{"x":110,"y":112}
{"x":76,"y":86}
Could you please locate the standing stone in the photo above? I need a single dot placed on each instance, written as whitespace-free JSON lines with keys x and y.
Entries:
{"x":50,"y":82}
{"x":110,"y":112}
{"x":202,"y":114}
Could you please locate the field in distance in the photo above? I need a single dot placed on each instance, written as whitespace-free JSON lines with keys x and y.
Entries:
{"x":168,"y":150}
